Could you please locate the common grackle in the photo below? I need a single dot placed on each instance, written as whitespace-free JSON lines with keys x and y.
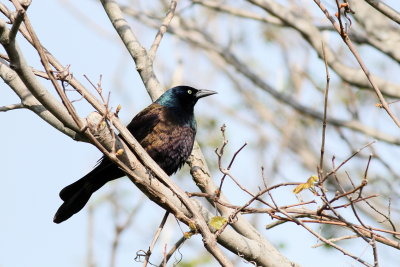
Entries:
{"x":165,"y":129}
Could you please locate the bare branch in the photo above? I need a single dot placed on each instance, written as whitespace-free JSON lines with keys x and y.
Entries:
{"x":353,"y":50}
{"x":16,"y":24}
{"x":336,"y":240}
{"x":239,"y":12}
{"x":163,"y":29}
{"x":321,"y":160}
{"x":18,"y":63}
{"x":12,"y":107}
{"x":207,"y":43}
{"x":29,"y":101}
{"x":136,"y":50}
{"x":313,"y":37}
{"x":385,"y":10}
{"x":345,"y":161}
{"x":295,"y":132}
{"x":139,"y":55}
{"x":174,"y":248}
{"x":46,"y":64}
{"x":325,"y":240}
{"x":155,"y":238}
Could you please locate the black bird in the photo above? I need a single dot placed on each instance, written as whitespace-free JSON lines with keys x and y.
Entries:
{"x":165,"y":129}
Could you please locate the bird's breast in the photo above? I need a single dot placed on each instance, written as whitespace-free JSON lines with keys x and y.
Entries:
{"x":169,"y":145}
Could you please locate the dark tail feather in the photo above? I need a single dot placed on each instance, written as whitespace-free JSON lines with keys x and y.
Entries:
{"x":70,"y":190}
{"x":105,"y":171}
{"x":77,"y":194}
{"x":74,"y":203}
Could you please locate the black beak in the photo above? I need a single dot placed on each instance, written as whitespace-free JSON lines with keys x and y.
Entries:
{"x":204,"y":92}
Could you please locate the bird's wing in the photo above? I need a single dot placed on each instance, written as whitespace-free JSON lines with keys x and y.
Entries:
{"x":145,"y":121}
{"x":169,"y":146}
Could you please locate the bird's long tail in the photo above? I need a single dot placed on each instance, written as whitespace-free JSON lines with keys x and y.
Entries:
{"x":77,"y":194}
{"x":75,"y":197}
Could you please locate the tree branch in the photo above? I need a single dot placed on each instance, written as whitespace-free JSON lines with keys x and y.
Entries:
{"x":18,"y":63}
{"x":200,"y":39}
{"x":312,"y":35}
{"x":144,"y":67}
{"x":136,"y":50}
{"x":162,"y":30}
{"x":354,"y":51}
{"x":385,"y":10}
{"x":12,"y":107}
{"x":29,"y":101}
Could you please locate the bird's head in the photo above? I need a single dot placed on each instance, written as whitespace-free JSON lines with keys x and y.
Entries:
{"x":184,"y":97}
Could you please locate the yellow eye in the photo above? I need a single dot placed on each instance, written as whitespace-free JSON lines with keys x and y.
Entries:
{"x":189,"y":92}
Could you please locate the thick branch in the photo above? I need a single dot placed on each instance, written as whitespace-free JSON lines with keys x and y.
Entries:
{"x":12,"y":79}
{"x":19,"y":64}
{"x":144,"y":67}
{"x":159,"y":193}
{"x":138,"y":53}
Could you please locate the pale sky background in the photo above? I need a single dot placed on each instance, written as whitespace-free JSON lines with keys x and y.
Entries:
{"x":37,"y":161}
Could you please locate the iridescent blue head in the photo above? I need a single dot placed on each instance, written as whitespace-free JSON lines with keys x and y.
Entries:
{"x":183,"y":97}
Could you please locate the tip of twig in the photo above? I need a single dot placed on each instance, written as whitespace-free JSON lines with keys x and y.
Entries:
{"x":117,"y":110}
{"x":223,"y":127}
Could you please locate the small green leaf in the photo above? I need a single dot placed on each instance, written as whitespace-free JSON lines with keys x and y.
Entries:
{"x":309,"y":184}
{"x":217,"y":222}
{"x":192,"y":227}
{"x":187,"y":235}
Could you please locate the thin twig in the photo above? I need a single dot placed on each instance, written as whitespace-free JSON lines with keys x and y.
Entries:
{"x":354,"y":51}
{"x":342,"y":32}
{"x":355,"y":201}
{"x":43,"y":57}
{"x":12,"y":107}
{"x":321,"y":160}
{"x":163,"y":28}
{"x":226,"y":171}
{"x":155,"y":238}
{"x":364,"y":180}
{"x":336,"y":240}
{"x":119,"y":228}
{"x":375,"y":251}
{"x":16,"y":24}
{"x":322,"y":238}
{"x":175,"y":247}
{"x":345,"y":161}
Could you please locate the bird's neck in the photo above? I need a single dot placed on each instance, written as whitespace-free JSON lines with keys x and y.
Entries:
{"x":181,"y":116}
